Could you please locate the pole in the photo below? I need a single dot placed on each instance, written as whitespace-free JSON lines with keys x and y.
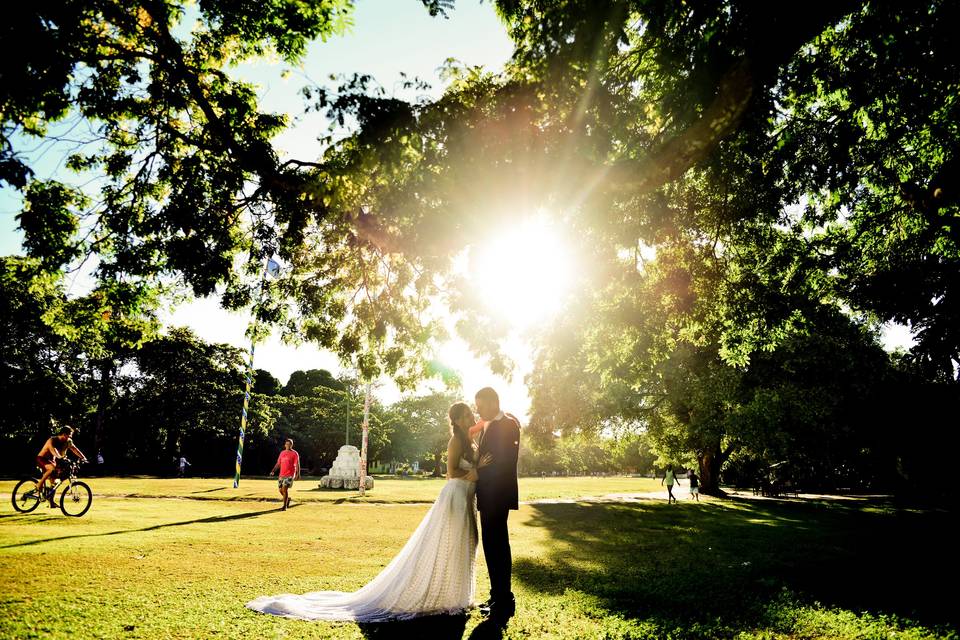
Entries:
{"x":363,"y":448}
{"x":246,"y":393}
{"x":243,"y":417}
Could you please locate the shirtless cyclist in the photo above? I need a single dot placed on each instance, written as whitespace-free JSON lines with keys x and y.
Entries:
{"x":54,"y":449}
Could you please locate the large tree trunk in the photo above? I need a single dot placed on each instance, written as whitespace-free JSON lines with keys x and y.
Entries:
{"x":710,"y":460}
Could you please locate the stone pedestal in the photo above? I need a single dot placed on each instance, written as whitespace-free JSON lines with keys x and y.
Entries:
{"x":345,"y":472}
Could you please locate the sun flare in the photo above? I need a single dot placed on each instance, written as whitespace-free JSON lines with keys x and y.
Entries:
{"x":527,"y":269}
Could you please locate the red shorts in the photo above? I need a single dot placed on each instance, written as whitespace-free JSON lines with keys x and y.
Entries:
{"x":43,"y":462}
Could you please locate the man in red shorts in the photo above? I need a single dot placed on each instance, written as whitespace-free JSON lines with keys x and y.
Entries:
{"x":54,"y":449}
{"x":289,"y":465}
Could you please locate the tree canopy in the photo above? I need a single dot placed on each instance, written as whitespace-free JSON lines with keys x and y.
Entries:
{"x":756,"y":189}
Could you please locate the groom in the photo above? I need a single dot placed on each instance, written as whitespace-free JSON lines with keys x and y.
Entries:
{"x":496,"y":496}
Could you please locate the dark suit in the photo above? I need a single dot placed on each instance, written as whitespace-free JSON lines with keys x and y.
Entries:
{"x":497,"y":494}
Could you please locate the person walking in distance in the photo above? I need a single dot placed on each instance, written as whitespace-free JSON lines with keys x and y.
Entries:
{"x":694,"y":485}
{"x":182,"y":464}
{"x":289,"y":465}
{"x":670,"y":479}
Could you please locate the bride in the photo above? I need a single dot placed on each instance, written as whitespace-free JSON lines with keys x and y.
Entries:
{"x":432,"y":574}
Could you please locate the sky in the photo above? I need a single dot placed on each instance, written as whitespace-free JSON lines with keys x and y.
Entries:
{"x":388,"y":37}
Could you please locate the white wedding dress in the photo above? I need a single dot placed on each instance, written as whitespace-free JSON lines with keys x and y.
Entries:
{"x":432,"y":574}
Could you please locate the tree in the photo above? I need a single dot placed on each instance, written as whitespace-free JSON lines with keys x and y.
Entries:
{"x":264,"y":383}
{"x":312,"y":409}
{"x":419,"y":429}
{"x":725,"y":120}
{"x":60,"y":355}
{"x":183,"y":396}
{"x":176,"y":136}
{"x":318,"y":424}
{"x":618,"y":449}
{"x":305,"y":383}
{"x":783,"y":164}
{"x":190,"y":179}
{"x":632,"y":453}
{"x":39,"y":367}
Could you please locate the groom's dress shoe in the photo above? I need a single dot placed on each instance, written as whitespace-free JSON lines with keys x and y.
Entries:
{"x":501,"y":609}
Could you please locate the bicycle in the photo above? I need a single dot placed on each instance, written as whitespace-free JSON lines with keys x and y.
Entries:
{"x":75,"y":499}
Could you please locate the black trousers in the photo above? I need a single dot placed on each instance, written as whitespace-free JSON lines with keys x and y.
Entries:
{"x":496,"y":549}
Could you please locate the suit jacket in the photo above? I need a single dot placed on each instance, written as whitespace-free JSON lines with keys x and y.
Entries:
{"x":497,"y":482}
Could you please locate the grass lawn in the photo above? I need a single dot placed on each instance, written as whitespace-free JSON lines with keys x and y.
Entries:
{"x":180,"y":568}
{"x":387,"y":489}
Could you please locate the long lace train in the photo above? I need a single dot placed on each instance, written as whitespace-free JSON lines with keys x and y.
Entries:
{"x":432,"y":574}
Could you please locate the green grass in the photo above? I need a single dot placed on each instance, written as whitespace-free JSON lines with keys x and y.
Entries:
{"x":387,"y":489}
{"x":180,"y":568}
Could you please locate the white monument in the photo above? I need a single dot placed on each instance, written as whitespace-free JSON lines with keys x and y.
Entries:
{"x":345,"y":472}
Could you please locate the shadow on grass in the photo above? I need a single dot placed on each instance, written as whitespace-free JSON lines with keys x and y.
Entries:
{"x":720,"y":568}
{"x":443,"y":627}
{"x":212,"y":519}
{"x":35,"y":517}
{"x":489,"y":629}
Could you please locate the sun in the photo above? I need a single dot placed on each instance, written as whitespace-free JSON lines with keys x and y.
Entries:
{"x":527,"y":268}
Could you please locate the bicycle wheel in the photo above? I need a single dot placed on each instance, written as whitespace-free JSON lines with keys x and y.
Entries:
{"x":25,"y":497}
{"x":76,"y":499}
